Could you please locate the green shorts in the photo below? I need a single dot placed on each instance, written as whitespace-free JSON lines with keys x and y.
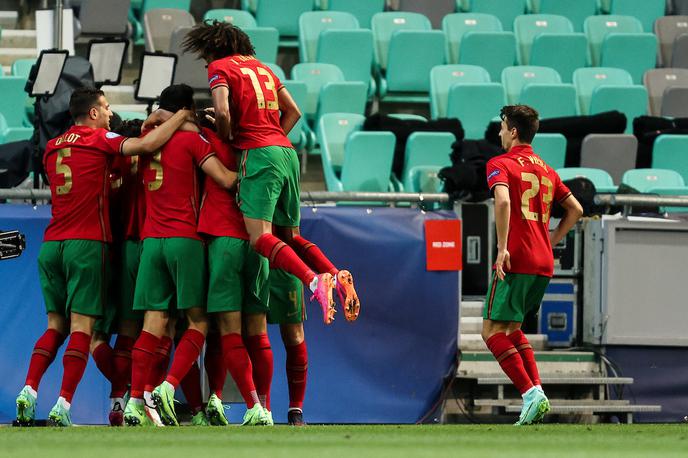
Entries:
{"x":238,"y":277}
{"x":515,"y":297}
{"x":172,"y":275}
{"x":73,"y":276}
{"x":269,"y":185}
{"x":286,"y":299}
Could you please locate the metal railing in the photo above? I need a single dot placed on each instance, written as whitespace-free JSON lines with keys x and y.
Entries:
{"x":628,"y":201}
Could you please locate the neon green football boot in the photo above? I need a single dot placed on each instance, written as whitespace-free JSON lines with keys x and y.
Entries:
{"x":59,"y":416}
{"x":200,"y":419}
{"x":135,"y":414}
{"x":535,"y":406}
{"x":255,"y":416}
{"x":163,"y":395}
{"x":215,"y":411}
{"x":26,"y":407}
{"x":268,"y":414}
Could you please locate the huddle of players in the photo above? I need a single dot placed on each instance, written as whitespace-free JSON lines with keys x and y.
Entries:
{"x":171,"y":258}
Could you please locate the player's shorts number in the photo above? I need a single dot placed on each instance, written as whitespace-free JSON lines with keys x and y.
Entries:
{"x":157,"y":167}
{"x":269,"y":85}
{"x":64,"y":170}
{"x":534,"y":191}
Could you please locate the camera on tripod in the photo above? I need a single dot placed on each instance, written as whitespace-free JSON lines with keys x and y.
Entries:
{"x":12,"y":244}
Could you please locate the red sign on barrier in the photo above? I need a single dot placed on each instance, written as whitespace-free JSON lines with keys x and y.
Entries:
{"x":443,"y":244}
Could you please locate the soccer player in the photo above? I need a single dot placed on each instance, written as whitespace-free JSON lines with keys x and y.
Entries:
{"x":524,"y":187}
{"x":172,"y":271}
{"x":248,"y":99}
{"x":73,"y":258}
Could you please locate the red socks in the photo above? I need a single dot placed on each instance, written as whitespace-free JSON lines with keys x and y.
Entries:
{"x":104,"y":358}
{"x":187,"y":353}
{"x":281,"y":256}
{"x":310,"y":253}
{"x":191,"y":387}
{"x":260,"y":351}
{"x":161,"y":361}
{"x":74,"y":362}
{"x":524,"y":348}
{"x":297,"y":372}
{"x":239,"y":366}
{"x":122,"y":366}
{"x":509,"y":359}
{"x":142,"y":355}
{"x":43,"y":355}
{"x":214,"y":364}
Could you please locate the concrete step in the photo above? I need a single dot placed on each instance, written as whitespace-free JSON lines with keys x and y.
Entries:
{"x":471,"y":309}
{"x":553,"y":402}
{"x":470,"y":325}
{"x":19,"y":38}
{"x":474,"y":342}
{"x":120,"y":95}
{"x":555,"y":363}
{"x":8,"y":20}
{"x":9,"y":55}
{"x":592,"y":408}
{"x":548,"y":380}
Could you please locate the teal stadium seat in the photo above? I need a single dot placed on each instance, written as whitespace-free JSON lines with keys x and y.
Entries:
{"x":456,"y":25}
{"x":646,"y":11}
{"x":529,"y":26}
{"x":367,"y":162}
{"x":636,"y":53}
{"x":125,"y":115}
{"x":412,"y":55}
{"x":250,"y":6}
{"x":22,"y":67}
{"x":587,"y":80}
{"x":265,"y":40}
{"x":364,"y":10}
{"x":13,"y":103}
{"x":576,"y":11}
{"x":426,"y":153}
{"x":645,"y":179}
{"x":671,"y":152}
{"x":516,"y":78}
{"x":598,"y":27}
{"x":632,"y":101}
{"x":315,"y":76}
{"x":408,"y":117}
{"x":282,"y":15}
{"x":505,"y":10}
{"x":148,"y":5}
{"x":351,"y":51}
{"x":551,"y":148}
{"x":602,"y":180}
{"x":550,"y":100}
{"x":386,"y":24}
{"x":277,"y":70}
{"x":443,"y":77}
{"x":475,"y":104}
{"x":239,"y":18}
{"x":333,"y":130}
{"x":300,"y":135}
{"x":312,"y":23}
{"x":13,"y":134}
{"x":494,"y":51}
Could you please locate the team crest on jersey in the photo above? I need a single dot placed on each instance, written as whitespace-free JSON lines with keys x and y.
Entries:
{"x":112,"y":135}
{"x":493,"y":174}
{"x":213,"y":79}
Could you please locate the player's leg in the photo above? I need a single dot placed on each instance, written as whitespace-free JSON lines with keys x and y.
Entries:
{"x":260,"y":351}
{"x":217,"y":374}
{"x":191,"y":387}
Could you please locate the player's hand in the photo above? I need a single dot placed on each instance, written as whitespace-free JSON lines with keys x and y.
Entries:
{"x":155,"y":119}
{"x":503,"y":260}
{"x":209,"y":114}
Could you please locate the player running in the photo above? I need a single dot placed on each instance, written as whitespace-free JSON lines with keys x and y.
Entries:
{"x":248,"y":99}
{"x":524,"y":187}
{"x":73,"y":258}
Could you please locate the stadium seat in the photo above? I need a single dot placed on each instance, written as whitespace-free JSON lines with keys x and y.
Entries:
{"x":412,"y":55}
{"x":299,"y":136}
{"x":679,"y":56}
{"x":675,"y":102}
{"x":551,"y":148}
{"x":505,"y":10}
{"x":277,"y":70}
{"x":493,"y":51}
{"x":367,"y":163}
{"x":104,"y":18}
{"x":351,"y":51}
{"x":13,"y":102}
{"x":364,"y":10}
{"x":646,"y":11}
{"x":598,"y":27}
{"x":408,"y":117}
{"x":456,"y":25}
{"x":189,"y":68}
{"x":635,"y":53}
{"x":239,"y":18}
{"x":516,"y":78}
{"x":284,"y":16}
{"x":132,"y":115}
{"x":148,"y":5}
{"x":332,"y":132}
{"x":443,"y":77}
{"x":315,"y":76}
{"x":632,"y":101}
{"x":575,"y":11}
{"x":425,"y":150}
{"x":265,"y":40}
{"x":671,"y":152}
{"x":386,"y":24}
{"x":529,"y":26}
{"x":13,"y":134}
{"x":587,"y":79}
{"x":312,"y":23}
{"x":668,"y":29}
{"x":159,"y":24}
{"x":22,"y":67}
{"x":615,"y":153}
{"x":550,"y":100}
{"x":658,"y":80}
{"x":645,"y":179}
{"x":603,"y":182}
{"x":249,"y":5}
{"x":563,"y":52}
{"x":475,"y":104}
{"x":435,"y":10}
{"x":679,"y":7}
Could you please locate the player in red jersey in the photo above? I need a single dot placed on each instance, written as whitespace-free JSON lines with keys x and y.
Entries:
{"x":72,"y":261}
{"x":172,"y":272}
{"x":248,"y":99}
{"x":524,"y":187}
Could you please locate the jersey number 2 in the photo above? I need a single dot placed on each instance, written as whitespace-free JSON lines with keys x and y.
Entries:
{"x":534,"y":191}
{"x":269,"y":85}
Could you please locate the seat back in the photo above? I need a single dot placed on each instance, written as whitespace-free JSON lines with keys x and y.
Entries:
{"x":364,"y":10}
{"x":13,"y":102}
{"x":587,"y":79}
{"x":658,"y":80}
{"x":645,"y":179}
{"x":265,"y":41}
{"x":679,"y":7}
{"x":576,"y":11}
{"x":493,"y":51}
{"x":456,"y":25}
{"x":333,"y":130}
{"x":598,"y":27}
{"x":550,"y":100}
{"x":342,"y":97}
{"x":679,"y":59}
{"x":22,"y":67}
{"x":284,"y":16}
{"x":671,"y":152}
{"x":189,"y":68}
{"x":615,"y":153}
{"x":350,"y":50}
{"x":528,"y":26}
{"x":239,"y":18}
{"x":635,"y":53}
{"x":675,"y":102}
{"x":443,"y":77}
{"x":159,"y":24}
{"x":277,"y":70}
{"x":386,"y":24}
{"x":668,"y":29}
{"x":105,"y":17}
{"x":475,"y":104}
{"x":368,"y":161}
{"x":632,"y":101}
{"x":563,"y":52}
{"x":551,"y":148}
{"x":425,"y":49}
{"x":646,"y":11}
{"x":516,"y":78}
{"x":426,"y":149}
{"x":315,"y":76}
{"x":312,"y":23}
{"x":505,"y":10}
{"x":435,"y":10}
{"x":602,"y":180}
{"x":298,"y":92}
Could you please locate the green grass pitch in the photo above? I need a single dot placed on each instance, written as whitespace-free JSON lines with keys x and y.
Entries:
{"x":502,"y":441}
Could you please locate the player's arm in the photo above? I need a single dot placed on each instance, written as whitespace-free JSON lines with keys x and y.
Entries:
{"x":290,"y":111}
{"x":148,"y":144}
{"x":221,"y":108}
{"x":572,"y":213}
{"x":218,"y":172}
{"x":502,"y":210}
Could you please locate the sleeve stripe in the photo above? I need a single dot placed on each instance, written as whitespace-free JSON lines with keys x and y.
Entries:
{"x":499,"y":183}
{"x":208,"y":156}
{"x":565,"y":197}
{"x":121,"y":145}
{"x":219,"y":85}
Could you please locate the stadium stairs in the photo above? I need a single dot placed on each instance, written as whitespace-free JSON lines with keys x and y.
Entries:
{"x":15,"y":43}
{"x":577,"y":383}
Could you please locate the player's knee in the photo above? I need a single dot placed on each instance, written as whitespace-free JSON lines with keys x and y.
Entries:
{"x":292,"y":334}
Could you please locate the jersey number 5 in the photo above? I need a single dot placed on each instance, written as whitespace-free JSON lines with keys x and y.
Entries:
{"x":269,"y":85}
{"x":64,"y":170}
{"x":534,"y":191}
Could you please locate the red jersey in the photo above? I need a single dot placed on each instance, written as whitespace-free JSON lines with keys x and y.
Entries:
{"x":533,"y":185}
{"x":127,"y":199}
{"x":253,"y":104}
{"x":220,"y":214}
{"x":77,"y":164}
{"x":170,"y":179}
